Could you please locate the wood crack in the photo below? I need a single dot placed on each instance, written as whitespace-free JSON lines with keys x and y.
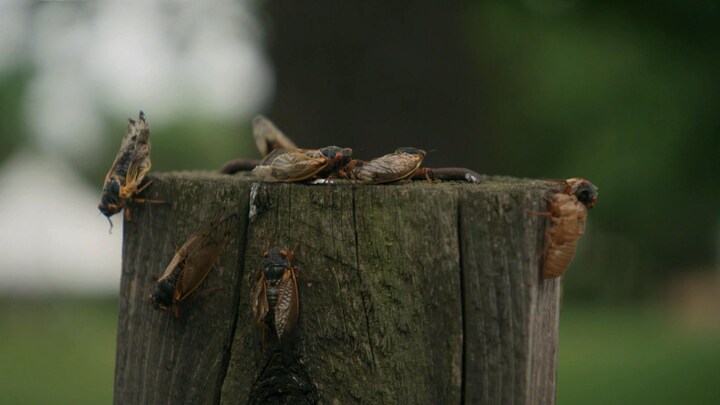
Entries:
{"x":242,"y":250}
{"x":463,"y":318}
{"x":359,"y":273}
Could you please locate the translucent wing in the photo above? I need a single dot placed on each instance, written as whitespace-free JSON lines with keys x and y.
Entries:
{"x":260,"y":304}
{"x":287,"y":309}
{"x":139,"y":163}
{"x":388,"y":168}
{"x":124,"y":155}
{"x":201,"y":252}
{"x":268,"y":137}
{"x":290,"y":165}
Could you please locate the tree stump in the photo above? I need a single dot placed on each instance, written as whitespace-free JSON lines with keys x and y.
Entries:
{"x":413,"y":293}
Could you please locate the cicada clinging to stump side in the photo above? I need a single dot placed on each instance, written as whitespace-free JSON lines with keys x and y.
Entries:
{"x":567,"y":211}
{"x":192,"y":263}
{"x":276,"y":297}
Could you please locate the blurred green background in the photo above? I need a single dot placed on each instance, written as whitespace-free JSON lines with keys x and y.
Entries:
{"x":619,"y":93}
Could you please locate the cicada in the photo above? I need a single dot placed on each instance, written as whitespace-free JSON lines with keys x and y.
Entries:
{"x":276,"y":298}
{"x":400,"y":165}
{"x":567,"y":213}
{"x":268,"y":137}
{"x":293,"y":165}
{"x":128,"y":171}
{"x":192,"y":263}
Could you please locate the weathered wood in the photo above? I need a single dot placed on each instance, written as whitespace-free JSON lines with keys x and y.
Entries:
{"x":414,"y":293}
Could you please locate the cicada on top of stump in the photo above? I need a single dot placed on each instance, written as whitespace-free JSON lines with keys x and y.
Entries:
{"x":399,"y":165}
{"x":295,"y":165}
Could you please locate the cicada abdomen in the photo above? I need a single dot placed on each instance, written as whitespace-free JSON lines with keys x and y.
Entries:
{"x":567,"y":211}
{"x":276,"y":297}
{"x":192,"y":263}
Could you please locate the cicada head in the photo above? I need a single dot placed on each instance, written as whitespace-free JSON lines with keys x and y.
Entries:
{"x":162,"y":297}
{"x":275,"y":261}
{"x":110,"y":202}
{"x":583,"y":190}
{"x":411,"y":151}
{"x":337,"y":155}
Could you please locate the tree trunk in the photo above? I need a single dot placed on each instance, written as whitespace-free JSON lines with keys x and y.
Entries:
{"x":412,"y":293}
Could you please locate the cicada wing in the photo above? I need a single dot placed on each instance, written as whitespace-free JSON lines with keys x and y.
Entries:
{"x":287,"y":309}
{"x":389,"y":168}
{"x":203,"y":252}
{"x":260,"y":304}
{"x":290,"y":165}
{"x":138,"y":159}
{"x":126,"y":151}
{"x":268,"y":137}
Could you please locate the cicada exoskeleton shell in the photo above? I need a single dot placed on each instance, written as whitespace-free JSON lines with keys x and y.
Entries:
{"x":567,"y":211}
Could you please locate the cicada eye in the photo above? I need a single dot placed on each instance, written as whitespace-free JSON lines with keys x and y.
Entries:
{"x":584,"y":196}
{"x":265,"y":254}
{"x":284,"y":252}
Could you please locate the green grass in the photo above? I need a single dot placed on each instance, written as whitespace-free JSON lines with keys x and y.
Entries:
{"x":63,"y":352}
{"x":634,"y":356}
{"x":57,"y":352}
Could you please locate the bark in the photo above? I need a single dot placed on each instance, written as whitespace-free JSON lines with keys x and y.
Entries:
{"x":412,"y":293}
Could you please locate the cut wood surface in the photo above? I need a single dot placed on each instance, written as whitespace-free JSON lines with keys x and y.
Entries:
{"x":411,"y":293}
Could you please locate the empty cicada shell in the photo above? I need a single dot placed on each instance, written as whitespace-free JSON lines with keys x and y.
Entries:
{"x":268,"y":137}
{"x":567,"y":213}
{"x":276,"y":298}
{"x":400,"y":165}
{"x":128,"y":170}
{"x":192,"y":263}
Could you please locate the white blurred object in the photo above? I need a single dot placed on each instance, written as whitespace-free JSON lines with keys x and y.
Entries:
{"x":52,"y":238}
{"x":114,"y":58}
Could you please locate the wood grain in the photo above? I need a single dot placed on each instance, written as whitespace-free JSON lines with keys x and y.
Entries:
{"x":412,"y":293}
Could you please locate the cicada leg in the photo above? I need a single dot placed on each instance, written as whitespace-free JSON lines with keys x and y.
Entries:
{"x":146,"y":201}
{"x":421,"y":173}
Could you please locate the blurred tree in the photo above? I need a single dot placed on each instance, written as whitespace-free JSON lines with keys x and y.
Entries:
{"x":616,"y":93}
{"x":12,"y":130}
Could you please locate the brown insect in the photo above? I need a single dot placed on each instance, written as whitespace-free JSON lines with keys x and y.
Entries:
{"x":268,"y":137}
{"x":567,"y":213}
{"x":403,"y":164}
{"x":276,"y":298}
{"x":128,"y":170}
{"x":192,"y":263}
{"x":293,"y":165}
